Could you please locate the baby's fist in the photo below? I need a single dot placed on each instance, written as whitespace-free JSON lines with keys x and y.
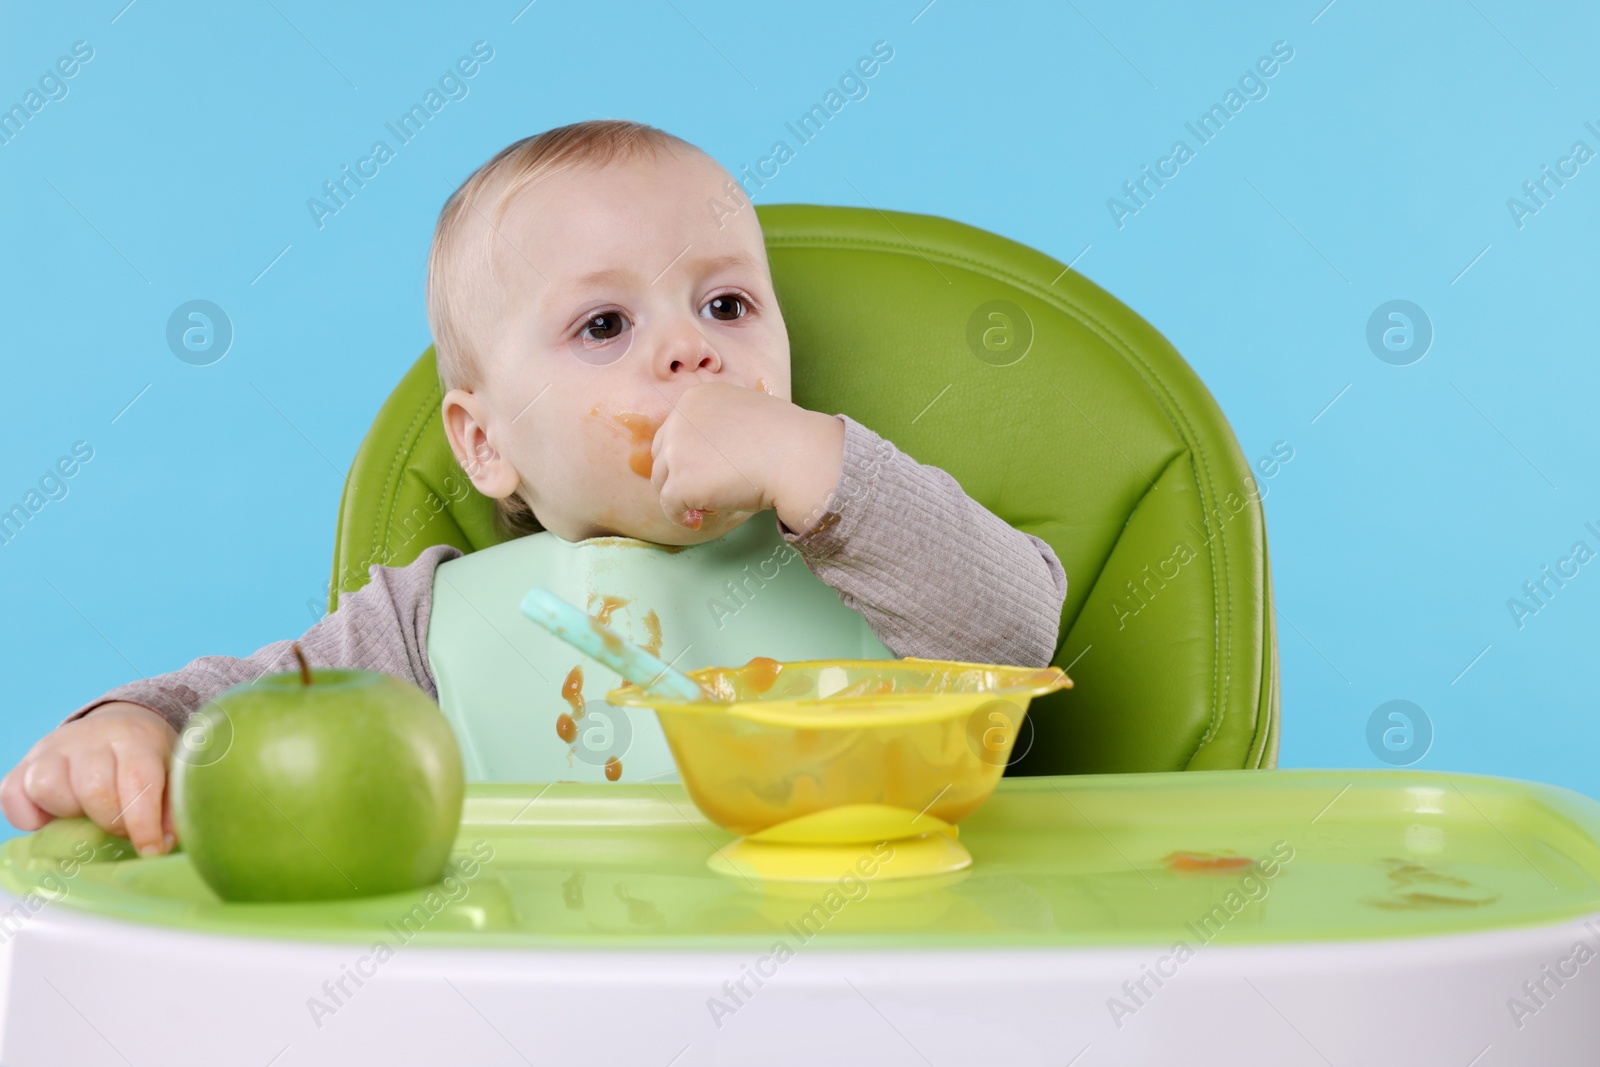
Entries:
{"x":727,"y":448}
{"x":110,"y":765}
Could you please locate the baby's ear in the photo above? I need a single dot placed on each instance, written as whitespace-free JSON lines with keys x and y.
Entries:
{"x":466,"y":428}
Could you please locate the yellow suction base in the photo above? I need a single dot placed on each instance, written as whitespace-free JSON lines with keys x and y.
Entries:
{"x":920,"y":856}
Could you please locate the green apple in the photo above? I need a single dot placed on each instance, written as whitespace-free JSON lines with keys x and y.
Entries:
{"x":317,"y":785}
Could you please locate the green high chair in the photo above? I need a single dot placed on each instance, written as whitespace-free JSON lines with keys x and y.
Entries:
{"x":1118,"y":910}
{"x":1053,"y":404}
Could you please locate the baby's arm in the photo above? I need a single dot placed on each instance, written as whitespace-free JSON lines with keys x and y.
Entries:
{"x":380,"y":627}
{"x":108,"y":759}
{"x":934,"y":573}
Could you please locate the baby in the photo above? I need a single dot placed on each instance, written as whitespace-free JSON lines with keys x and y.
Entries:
{"x":615,"y":364}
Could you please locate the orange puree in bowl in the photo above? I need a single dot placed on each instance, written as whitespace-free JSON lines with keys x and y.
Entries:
{"x":731,"y":684}
{"x":759,"y":674}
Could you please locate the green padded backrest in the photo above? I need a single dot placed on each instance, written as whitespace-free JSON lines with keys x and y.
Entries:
{"x":1051,"y":403}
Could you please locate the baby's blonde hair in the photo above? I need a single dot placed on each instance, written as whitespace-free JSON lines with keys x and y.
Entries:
{"x":462,"y":287}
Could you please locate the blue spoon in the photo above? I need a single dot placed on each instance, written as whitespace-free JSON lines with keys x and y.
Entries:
{"x":593,"y":637}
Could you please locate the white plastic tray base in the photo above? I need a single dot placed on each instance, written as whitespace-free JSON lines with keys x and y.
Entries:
{"x":83,"y":991}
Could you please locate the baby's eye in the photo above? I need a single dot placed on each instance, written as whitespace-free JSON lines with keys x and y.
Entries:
{"x":727,"y":307}
{"x":602,"y":326}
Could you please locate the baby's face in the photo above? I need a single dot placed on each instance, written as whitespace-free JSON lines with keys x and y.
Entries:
{"x":620,"y":291}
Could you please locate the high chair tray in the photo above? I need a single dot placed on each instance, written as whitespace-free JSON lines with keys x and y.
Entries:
{"x":1119,"y":911}
{"x":1080,"y":860}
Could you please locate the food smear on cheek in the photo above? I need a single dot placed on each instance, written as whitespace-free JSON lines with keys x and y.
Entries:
{"x":641,"y":430}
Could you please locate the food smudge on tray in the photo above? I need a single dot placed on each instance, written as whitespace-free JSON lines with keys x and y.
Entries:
{"x":1444,"y":891}
{"x":572,"y":891}
{"x":1206,"y":862}
{"x":640,"y":912}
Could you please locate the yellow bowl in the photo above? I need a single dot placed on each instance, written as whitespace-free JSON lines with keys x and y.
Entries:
{"x":780,"y":741}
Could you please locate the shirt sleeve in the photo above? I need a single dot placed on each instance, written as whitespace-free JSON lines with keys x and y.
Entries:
{"x":934,"y":573}
{"x":383,"y":626}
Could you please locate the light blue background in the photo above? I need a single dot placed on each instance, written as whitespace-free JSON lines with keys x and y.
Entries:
{"x":1378,"y":167}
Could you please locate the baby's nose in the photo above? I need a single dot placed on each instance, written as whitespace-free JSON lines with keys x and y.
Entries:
{"x":687,"y":356}
{"x":703,"y":364}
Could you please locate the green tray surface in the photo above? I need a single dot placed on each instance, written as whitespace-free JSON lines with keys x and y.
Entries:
{"x":1079,"y":860}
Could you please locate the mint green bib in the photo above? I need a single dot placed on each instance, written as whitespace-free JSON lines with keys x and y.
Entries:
{"x":505,"y":682}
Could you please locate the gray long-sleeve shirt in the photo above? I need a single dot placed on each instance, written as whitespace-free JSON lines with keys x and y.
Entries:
{"x":934,"y":573}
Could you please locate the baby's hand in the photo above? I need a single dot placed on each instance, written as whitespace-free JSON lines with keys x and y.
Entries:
{"x":110,"y":765}
{"x":726,"y":448}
